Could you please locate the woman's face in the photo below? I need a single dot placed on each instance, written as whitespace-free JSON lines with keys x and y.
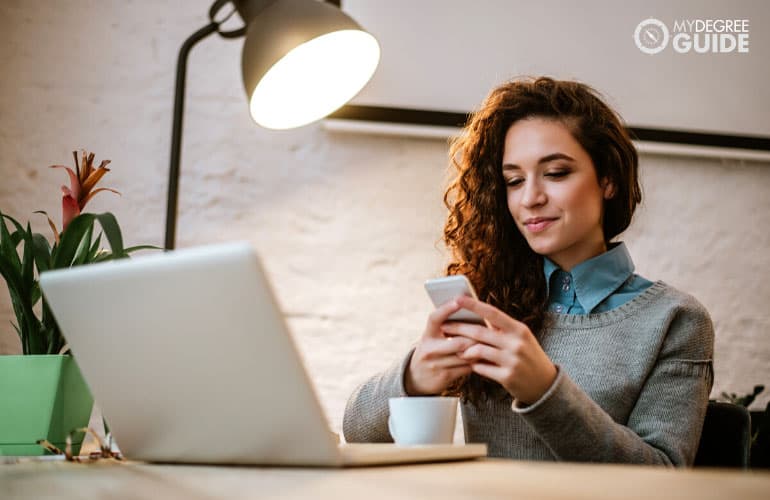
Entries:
{"x":549,"y":175}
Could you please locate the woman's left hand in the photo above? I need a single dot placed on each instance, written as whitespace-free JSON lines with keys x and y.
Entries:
{"x":506,"y":351}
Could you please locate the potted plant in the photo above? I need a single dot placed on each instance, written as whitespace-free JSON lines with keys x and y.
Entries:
{"x":760,"y":426}
{"x":43,"y":393}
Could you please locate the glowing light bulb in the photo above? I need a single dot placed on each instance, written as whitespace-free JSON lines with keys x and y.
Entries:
{"x":314,"y":79}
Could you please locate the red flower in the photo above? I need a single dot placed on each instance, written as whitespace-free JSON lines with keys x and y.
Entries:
{"x":82,"y":182}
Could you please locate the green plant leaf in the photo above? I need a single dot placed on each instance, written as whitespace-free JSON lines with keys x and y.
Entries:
{"x":70,"y":240}
{"x":112,"y":232}
{"x":28,"y":260}
{"x":82,"y":252}
{"x":103,"y":257}
{"x":37,"y":344}
{"x":10,"y":270}
{"x":7,"y":247}
{"x":47,"y":318}
{"x":49,"y":334}
{"x":20,"y":325}
{"x":35,"y":294}
{"x":13,"y":221}
{"x":142,"y":247}
{"x":16,"y":238}
{"x":42,"y":251}
{"x":78,"y":228}
{"x":19,"y":296}
{"x":22,"y":307}
{"x":95,"y":248}
{"x":50,"y":330}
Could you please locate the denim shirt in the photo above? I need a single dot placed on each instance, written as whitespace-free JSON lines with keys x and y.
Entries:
{"x":595,"y":285}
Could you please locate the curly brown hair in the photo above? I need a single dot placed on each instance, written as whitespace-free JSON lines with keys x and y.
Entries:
{"x":480,"y":233}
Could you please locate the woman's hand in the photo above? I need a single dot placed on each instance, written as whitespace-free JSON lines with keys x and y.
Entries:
{"x":435,"y":363}
{"x":506,"y":351}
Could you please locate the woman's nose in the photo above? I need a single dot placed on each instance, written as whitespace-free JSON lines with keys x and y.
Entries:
{"x":534,"y":194}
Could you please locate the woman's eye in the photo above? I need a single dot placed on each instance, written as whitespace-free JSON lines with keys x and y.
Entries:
{"x":516,"y":182}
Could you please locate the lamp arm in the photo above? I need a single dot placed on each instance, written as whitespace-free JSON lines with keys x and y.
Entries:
{"x":176,"y":132}
{"x":247,"y":10}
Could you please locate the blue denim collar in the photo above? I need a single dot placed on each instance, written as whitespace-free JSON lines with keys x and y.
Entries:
{"x":596,"y":278}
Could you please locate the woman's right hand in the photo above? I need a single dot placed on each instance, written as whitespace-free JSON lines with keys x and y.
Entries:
{"x":435,"y":364}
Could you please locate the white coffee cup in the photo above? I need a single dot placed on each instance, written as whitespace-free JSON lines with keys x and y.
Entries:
{"x":422,"y":420}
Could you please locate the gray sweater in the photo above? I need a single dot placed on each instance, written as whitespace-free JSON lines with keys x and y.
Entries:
{"x":632,"y":386}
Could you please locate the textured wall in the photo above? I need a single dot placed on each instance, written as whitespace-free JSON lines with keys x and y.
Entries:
{"x":348,"y":225}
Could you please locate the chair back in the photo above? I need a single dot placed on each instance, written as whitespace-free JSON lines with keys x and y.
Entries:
{"x":726,"y":437}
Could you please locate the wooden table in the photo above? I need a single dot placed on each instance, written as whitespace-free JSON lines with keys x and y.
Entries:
{"x":473,"y":480}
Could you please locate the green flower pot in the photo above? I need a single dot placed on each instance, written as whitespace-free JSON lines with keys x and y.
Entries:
{"x":41,"y":397}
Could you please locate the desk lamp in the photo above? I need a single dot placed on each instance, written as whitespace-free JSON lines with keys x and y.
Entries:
{"x":302,"y":59}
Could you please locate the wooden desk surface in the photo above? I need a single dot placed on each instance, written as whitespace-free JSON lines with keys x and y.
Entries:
{"x":477,"y":480}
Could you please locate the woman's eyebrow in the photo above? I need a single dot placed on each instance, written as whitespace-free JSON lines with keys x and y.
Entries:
{"x":544,"y":159}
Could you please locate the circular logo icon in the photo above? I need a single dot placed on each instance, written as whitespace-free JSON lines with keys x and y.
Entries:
{"x":651,"y":36}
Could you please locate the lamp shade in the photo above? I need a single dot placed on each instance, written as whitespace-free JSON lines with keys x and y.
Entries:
{"x":303,"y":59}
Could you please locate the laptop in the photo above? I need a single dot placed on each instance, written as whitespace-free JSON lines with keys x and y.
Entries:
{"x":189,"y":357}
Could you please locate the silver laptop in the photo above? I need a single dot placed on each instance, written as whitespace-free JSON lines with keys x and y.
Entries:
{"x":190,"y":360}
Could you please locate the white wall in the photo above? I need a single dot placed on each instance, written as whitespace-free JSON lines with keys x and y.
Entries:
{"x":348,"y":224}
{"x":474,"y":45}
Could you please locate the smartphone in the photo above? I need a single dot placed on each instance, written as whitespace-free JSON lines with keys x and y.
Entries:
{"x":442,"y":290}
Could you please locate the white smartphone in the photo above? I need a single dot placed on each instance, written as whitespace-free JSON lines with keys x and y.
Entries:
{"x":442,"y":290}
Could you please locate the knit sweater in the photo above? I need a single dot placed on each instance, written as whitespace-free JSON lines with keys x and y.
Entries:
{"x":632,"y":386}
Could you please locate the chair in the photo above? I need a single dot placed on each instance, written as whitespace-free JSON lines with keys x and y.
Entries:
{"x":726,"y":437}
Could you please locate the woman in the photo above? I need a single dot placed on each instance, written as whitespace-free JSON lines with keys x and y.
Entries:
{"x":583,"y":360}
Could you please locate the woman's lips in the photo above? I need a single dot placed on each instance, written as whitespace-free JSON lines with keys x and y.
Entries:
{"x":540,"y":226}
